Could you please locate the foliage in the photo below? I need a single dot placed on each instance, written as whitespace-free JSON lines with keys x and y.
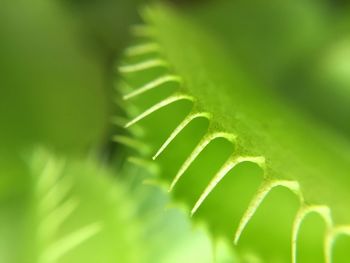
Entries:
{"x":243,"y":105}
{"x":177,"y":64}
{"x":74,"y":210}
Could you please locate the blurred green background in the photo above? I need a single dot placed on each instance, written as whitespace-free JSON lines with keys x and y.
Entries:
{"x":57,"y":76}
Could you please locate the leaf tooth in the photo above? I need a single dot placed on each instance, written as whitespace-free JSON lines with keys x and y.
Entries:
{"x":331,"y":237}
{"x":49,"y":175}
{"x":153,"y":84}
{"x":171,"y":99}
{"x":151,"y":182}
{"x":304,"y":211}
{"x":128,"y":108}
{"x":179,"y":128}
{"x":120,"y":103}
{"x":266,"y":187}
{"x":143,"y":65}
{"x":122,"y":87}
{"x":142,"y":49}
{"x":118,"y":121}
{"x":66,"y":244}
{"x":54,"y":220}
{"x":197,"y":150}
{"x":232,"y":162}
{"x":144,"y":163}
{"x":342,"y":230}
{"x":131,"y":143}
{"x":55,"y":195}
{"x":142,"y":30}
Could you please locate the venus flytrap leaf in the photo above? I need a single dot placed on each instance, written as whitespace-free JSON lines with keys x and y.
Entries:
{"x":66,"y":220}
{"x":226,"y":168}
{"x":152,"y":85}
{"x":50,"y":189}
{"x":142,"y":49}
{"x":142,"y":30}
{"x":158,"y":106}
{"x":144,"y":65}
{"x":55,"y":195}
{"x":263,"y":191}
{"x":119,"y":121}
{"x":293,"y":150}
{"x":331,"y":237}
{"x":206,"y":140}
{"x":303,"y":212}
{"x":179,"y":128}
{"x":145,"y":164}
{"x":132,"y":143}
{"x":52,"y":222}
{"x":49,"y":175}
{"x":150,"y":234}
{"x":63,"y":246}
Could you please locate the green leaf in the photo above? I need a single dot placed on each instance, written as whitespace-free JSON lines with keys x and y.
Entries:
{"x":302,"y":163}
{"x":74,"y":210}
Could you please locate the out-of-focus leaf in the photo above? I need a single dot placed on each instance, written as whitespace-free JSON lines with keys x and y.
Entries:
{"x":52,"y":88}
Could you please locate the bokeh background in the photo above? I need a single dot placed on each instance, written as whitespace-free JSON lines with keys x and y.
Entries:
{"x":57,"y":79}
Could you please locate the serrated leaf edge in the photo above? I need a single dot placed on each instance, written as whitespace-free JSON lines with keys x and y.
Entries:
{"x":268,"y":184}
